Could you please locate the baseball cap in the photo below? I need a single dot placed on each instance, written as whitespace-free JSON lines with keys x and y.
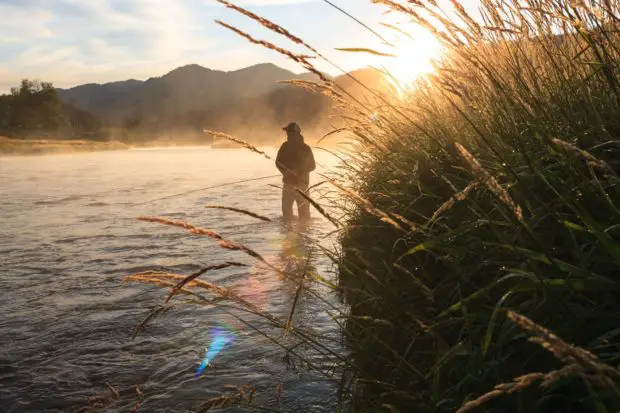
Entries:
{"x":292,"y":127}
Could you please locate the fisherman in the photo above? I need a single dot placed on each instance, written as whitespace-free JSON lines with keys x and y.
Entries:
{"x":295,"y":161}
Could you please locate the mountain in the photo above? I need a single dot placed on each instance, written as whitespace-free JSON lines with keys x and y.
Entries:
{"x":184,"y":89}
{"x":95,"y":98}
{"x":249,"y":103}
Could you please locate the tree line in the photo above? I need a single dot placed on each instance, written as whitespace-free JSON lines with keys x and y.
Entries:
{"x":34,"y":109}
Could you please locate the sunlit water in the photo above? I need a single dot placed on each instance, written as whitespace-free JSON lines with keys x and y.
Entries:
{"x":68,"y":236}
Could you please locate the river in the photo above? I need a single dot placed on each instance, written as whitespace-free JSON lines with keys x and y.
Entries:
{"x":69,"y":236}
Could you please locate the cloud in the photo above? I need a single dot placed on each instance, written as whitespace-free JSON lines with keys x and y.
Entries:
{"x":271,"y":2}
{"x":21,"y":23}
{"x":56,"y":39}
{"x":150,"y":28}
{"x":69,"y":42}
{"x":268,"y":2}
{"x":38,"y":56}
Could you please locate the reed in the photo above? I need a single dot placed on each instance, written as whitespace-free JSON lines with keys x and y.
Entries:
{"x":181,"y":224}
{"x":318,"y":207}
{"x":580,"y":363}
{"x":237,"y":397}
{"x":110,"y":397}
{"x":243,"y":143}
{"x":240,"y":211}
{"x":509,"y":116}
{"x":200,"y":272}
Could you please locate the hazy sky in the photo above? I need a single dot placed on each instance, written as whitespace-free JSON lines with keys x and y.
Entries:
{"x":70,"y":42}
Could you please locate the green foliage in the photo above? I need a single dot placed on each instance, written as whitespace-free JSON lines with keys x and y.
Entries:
{"x":532,"y":119}
{"x":34,"y":110}
{"x":82,"y":123}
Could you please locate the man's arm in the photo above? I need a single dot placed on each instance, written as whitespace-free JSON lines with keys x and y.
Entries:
{"x":310,"y":164}
{"x":281,"y":160}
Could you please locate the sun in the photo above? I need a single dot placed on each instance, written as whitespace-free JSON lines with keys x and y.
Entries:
{"x":413,"y":56}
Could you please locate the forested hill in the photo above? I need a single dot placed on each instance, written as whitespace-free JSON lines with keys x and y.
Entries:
{"x":34,"y":109}
{"x":183,"y":90}
{"x":250,"y":102}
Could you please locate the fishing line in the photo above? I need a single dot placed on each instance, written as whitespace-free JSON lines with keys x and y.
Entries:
{"x":205,"y":188}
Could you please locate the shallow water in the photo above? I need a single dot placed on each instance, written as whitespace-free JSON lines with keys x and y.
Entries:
{"x":68,"y":236}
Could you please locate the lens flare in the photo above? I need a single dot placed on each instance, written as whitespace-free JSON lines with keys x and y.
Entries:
{"x":221,"y":338}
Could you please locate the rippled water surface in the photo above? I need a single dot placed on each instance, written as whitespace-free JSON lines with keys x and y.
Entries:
{"x":68,"y":237}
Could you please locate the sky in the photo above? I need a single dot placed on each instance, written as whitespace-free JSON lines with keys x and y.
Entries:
{"x":72,"y":42}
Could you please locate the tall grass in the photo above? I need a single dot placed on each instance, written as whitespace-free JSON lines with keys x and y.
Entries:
{"x":506,"y":163}
{"x":480,"y":207}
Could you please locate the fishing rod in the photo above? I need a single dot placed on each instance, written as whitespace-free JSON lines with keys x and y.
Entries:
{"x":204,"y":189}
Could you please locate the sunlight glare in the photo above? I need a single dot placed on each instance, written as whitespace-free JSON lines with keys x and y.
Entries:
{"x":414,"y":56}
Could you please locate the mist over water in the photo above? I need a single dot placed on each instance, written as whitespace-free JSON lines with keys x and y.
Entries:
{"x":68,"y":236}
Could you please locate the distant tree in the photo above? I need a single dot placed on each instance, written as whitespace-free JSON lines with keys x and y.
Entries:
{"x":82,"y":123}
{"x":5,"y":114}
{"x":133,"y":122}
{"x":34,"y":109}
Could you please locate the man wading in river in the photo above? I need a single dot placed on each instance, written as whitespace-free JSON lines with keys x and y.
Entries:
{"x":295,"y":161}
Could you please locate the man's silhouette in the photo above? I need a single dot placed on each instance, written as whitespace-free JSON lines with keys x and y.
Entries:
{"x":295,"y":161}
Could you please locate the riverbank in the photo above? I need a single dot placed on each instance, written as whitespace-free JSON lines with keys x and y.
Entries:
{"x":15,"y":147}
{"x":22,"y":147}
{"x":482,"y":261}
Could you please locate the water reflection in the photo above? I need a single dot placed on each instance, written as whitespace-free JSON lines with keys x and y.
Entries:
{"x":292,"y":253}
{"x":296,"y":259}
{"x":297,"y":251}
{"x":91,"y":240}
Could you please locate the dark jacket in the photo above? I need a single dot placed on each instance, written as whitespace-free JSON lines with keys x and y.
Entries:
{"x":295,"y":160}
